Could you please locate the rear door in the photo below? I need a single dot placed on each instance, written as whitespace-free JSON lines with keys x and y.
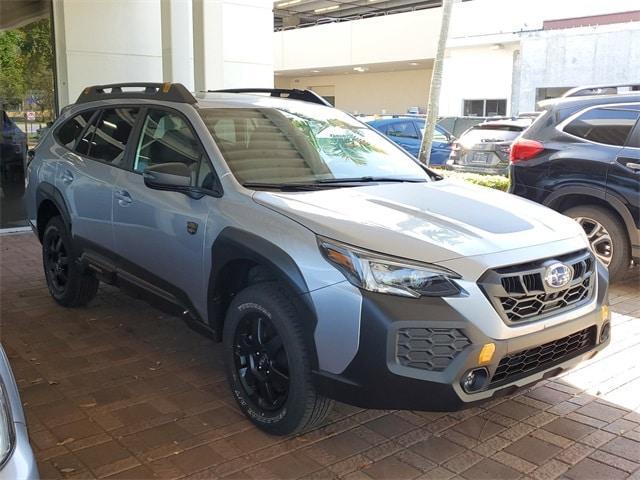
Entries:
{"x":440,"y":146}
{"x":86,"y":176}
{"x":591,"y":143}
{"x":623,"y":178}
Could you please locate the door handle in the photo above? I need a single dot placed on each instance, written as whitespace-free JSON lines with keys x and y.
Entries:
{"x":630,"y":163}
{"x":633,"y":166}
{"x":67,"y":177}
{"x":123,"y":197}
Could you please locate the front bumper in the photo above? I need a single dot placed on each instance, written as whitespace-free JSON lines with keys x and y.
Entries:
{"x":376,"y":378}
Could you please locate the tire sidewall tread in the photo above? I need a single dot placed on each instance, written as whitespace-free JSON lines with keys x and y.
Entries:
{"x":304,"y":407}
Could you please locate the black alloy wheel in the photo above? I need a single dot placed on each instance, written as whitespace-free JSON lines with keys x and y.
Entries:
{"x":56,"y":261}
{"x":261,"y":362}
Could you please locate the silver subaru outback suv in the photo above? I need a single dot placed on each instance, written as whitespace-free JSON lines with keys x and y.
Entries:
{"x":331,"y":265}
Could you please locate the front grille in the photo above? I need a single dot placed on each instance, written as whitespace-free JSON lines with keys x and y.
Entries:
{"x":520,"y":294}
{"x":429,"y":348}
{"x":520,"y":364}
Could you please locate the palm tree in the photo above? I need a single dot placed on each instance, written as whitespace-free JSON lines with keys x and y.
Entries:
{"x":436,"y":82}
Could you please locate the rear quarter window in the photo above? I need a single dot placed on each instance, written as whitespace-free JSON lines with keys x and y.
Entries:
{"x":608,"y":126}
{"x":69,"y":132}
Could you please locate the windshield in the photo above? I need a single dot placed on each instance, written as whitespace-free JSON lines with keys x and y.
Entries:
{"x":304,"y":143}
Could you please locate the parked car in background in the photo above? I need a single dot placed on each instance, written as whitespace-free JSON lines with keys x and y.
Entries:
{"x":407,"y":132}
{"x":484,"y":148}
{"x":16,"y":456}
{"x":581,"y":157}
{"x":13,"y":148}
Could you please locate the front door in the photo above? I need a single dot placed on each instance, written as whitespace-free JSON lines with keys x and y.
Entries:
{"x":159,"y":235}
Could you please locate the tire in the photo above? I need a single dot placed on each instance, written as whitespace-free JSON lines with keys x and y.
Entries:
{"x":619,"y":258}
{"x":69,"y":284}
{"x":262,"y":330}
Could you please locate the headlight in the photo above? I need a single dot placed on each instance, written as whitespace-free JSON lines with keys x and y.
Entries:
{"x":378,"y":273}
{"x":6,"y":426}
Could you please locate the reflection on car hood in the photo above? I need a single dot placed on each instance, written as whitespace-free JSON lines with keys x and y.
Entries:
{"x":431,"y":222}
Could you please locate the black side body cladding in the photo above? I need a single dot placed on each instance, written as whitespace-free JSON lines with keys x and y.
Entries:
{"x":244,"y":250}
{"x":47,"y":191}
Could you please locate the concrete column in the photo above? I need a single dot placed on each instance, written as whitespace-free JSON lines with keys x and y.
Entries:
{"x":232,"y":43}
{"x":60,"y":45}
{"x":177,"y":43}
{"x":105,"y":41}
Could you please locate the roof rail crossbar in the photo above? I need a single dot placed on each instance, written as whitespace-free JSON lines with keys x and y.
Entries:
{"x":169,"y":92}
{"x":293,"y":94}
{"x":612,"y":89}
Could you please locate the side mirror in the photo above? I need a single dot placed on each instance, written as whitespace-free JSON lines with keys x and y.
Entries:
{"x":168,"y":176}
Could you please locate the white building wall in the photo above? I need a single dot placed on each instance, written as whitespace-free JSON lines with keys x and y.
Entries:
{"x":106,"y":41}
{"x":233,"y":43}
{"x":578,"y":56}
{"x":368,"y":93}
{"x":120,"y":41}
{"x":414,"y":35}
{"x":476,"y":73}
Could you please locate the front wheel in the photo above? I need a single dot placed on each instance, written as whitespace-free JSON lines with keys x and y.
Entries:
{"x":267,"y":362}
{"x":607,"y":237}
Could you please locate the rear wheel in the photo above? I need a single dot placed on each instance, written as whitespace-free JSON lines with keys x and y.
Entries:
{"x":68,"y":283}
{"x":268,"y":365}
{"x":607,"y":237}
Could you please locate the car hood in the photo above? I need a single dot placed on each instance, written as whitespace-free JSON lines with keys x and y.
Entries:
{"x":430,"y":222}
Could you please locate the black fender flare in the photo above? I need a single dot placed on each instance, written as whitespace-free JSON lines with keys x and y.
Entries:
{"x":609,"y":198}
{"x":235,"y":244}
{"x":48,"y":191}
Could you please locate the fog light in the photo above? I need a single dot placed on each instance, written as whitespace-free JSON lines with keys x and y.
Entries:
{"x":604,"y":312}
{"x":486,"y":354}
{"x":605,"y":332}
{"x":474,"y":380}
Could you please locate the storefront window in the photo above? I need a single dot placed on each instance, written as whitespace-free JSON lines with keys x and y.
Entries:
{"x":26,"y":108}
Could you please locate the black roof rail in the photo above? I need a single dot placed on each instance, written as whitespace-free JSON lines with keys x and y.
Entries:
{"x":612,"y":89}
{"x":168,"y":92}
{"x":292,"y":94}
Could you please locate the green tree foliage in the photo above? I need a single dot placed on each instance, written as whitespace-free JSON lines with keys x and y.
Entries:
{"x":26,"y":64}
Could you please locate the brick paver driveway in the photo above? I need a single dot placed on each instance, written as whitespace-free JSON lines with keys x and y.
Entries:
{"x":120,"y":389}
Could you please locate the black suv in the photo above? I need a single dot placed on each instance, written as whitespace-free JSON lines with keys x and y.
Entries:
{"x":581,"y":157}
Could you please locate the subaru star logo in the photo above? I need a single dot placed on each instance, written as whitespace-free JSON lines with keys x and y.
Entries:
{"x":558,"y":275}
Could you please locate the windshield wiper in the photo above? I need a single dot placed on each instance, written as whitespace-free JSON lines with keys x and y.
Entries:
{"x":286,"y":187}
{"x":370,"y":180}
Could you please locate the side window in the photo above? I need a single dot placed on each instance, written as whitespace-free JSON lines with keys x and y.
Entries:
{"x":604,"y":125}
{"x":107,"y":136}
{"x":439,"y":136}
{"x":70,"y":131}
{"x":403,"y":129}
{"x":112,"y":134}
{"x":167,"y":138}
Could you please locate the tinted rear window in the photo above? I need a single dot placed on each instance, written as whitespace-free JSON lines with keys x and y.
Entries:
{"x":70,"y":131}
{"x":490,"y":134}
{"x":604,"y":125}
